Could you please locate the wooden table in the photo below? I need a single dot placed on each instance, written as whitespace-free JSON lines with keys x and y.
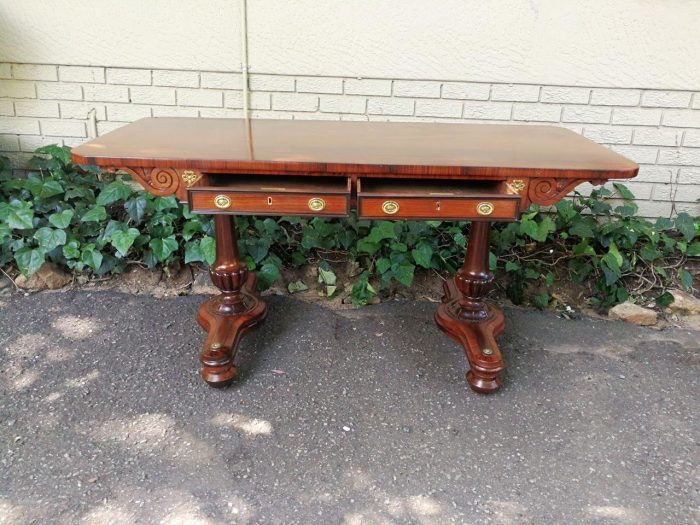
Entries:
{"x":477,"y":172}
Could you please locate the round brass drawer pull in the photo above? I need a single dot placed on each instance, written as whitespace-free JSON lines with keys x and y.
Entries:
{"x":484,"y":208}
{"x":317,"y":204}
{"x":390,"y":207}
{"x":222,"y":201}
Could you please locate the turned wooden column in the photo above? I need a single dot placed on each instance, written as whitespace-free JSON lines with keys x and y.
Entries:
{"x":228,"y":273}
{"x":474,"y":279}
{"x":229,"y":315}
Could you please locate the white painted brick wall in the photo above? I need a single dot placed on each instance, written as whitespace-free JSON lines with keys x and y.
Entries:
{"x":44,"y":104}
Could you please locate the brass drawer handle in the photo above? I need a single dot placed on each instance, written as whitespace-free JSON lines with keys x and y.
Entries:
{"x":484,"y":208}
{"x":390,"y":207}
{"x":317,"y":204}
{"x":222,"y":201}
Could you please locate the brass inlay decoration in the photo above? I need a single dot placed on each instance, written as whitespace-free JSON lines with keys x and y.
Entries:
{"x":487,"y":351}
{"x":222,"y":201}
{"x":518,"y":185}
{"x":189,"y":177}
{"x":390,"y":207}
{"x":316,"y":204}
{"x":215,"y":346}
{"x":484,"y":208}
{"x":440,"y":193}
{"x":272,"y":188}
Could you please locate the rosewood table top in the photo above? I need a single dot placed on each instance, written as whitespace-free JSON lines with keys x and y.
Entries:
{"x":335,"y":147}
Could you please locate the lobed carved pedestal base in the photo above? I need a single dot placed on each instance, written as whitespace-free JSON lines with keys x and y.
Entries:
{"x":466,"y":318}
{"x":224,"y":331}
{"x":477,"y":337}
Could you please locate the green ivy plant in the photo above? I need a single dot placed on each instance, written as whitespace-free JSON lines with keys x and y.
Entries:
{"x":88,"y":221}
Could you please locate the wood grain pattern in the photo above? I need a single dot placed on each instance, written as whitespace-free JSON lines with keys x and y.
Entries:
{"x":423,"y":149}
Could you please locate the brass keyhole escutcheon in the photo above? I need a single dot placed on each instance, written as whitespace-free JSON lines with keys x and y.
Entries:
{"x":222,"y":201}
{"x":317,"y":204}
{"x":269,"y":201}
{"x":484,"y":208}
{"x":437,"y":205}
{"x":390,"y":207}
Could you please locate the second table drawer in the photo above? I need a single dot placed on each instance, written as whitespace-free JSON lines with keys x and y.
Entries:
{"x":458,"y":200}
{"x":465,"y":208}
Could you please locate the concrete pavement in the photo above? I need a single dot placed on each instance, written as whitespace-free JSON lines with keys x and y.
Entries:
{"x":358,"y":417}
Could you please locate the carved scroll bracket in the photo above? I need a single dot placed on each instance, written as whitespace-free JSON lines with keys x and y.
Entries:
{"x":164,"y":181}
{"x":548,"y":191}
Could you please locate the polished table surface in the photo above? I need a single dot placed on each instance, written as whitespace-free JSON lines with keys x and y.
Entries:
{"x":411,"y":148}
{"x":407,"y":170}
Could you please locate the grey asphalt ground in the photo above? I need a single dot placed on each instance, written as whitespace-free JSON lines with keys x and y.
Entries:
{"x":357,"y":417}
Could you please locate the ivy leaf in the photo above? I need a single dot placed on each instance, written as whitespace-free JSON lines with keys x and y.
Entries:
{"x":267,"y":275}
{"x":611,"y":268}
{"x":493,"y":262}
{"x":649,"y":252}
{"x":544,"y":228}
{"x":50,"y":238}
{"x":91,"y":257}
{"x":382,"y":230}
{"x":136,"y":209}
{"x":123,"y":240}
{"x":5,"y":232}
{"x":326,"y":276}
{"x":70,"y":250}
{"x":528,"y":227}
{"x":60,"y":153}
{"x":190,"y":228}
{"x":29,"y":260}
{"x":51,"y":188}
{"x":665,"y":300}
{"x":163,"y":248}
{"x":193,"y":253}
{"x":113,"y":192}
{"x":404,"y":273}
{"x":693,"y":250}
{"x":512,"y":266}
{"x":166,"y":203}
{"x":549,"y":280}
{"x":95,"y":214}
{"x":208,"y":248}
{"x":383,"y":264}
{"x":624,"y":191}
{"x":297,"y":286}
{"x":684,"y":224}
{"x":362,"y":292}
{"x":61,"y":219}
{"x":616,"y":254}
{"x":423,"y":254}
{"x":541,"y":301}
{"x":583,"y":248}
{"x":685,"y":278}
{"x":18,"y":215}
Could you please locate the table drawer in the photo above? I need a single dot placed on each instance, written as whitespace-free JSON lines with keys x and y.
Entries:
{"x":444,"y":201}
{"x":273,"y":196}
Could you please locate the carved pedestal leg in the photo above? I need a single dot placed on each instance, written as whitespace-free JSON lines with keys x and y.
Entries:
{"x":465,"y":317}
{"x":230,"y":314}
